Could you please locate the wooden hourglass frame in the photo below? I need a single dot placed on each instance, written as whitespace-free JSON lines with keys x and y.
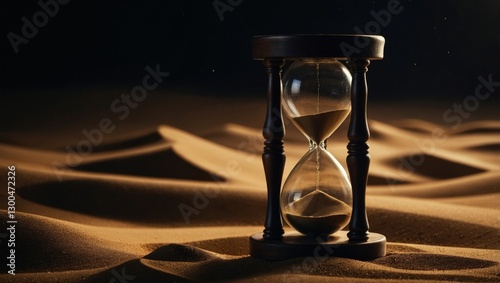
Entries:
{"x":357,"y":50}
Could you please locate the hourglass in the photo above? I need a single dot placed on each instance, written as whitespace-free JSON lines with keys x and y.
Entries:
{"x":317,"y":199}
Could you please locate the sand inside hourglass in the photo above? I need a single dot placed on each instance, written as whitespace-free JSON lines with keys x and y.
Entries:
{"x":320,"y":126}
{"x":318,"y":213}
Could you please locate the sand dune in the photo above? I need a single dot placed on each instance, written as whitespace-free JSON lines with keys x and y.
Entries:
{"x":165,"y":205}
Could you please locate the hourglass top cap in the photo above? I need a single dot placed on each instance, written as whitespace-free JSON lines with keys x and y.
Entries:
{"x":339,"y":46}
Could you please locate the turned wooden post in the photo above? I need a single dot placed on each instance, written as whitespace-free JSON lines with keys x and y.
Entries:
{"x":358,"y":160}
{"x":273,"y":157}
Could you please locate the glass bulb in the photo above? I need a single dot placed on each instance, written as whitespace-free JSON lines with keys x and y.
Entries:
{"x":313,"y":87}
{"x":316,"y":198}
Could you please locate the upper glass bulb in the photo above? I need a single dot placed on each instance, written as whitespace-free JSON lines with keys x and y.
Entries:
{"x":317,"y":96}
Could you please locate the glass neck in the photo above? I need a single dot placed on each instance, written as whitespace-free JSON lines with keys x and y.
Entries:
{"x":314,"y":145}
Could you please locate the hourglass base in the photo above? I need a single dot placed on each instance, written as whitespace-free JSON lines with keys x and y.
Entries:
{"x":295,"y":244}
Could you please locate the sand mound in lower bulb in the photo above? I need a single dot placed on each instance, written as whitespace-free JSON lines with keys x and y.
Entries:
{"x":317,"y":213}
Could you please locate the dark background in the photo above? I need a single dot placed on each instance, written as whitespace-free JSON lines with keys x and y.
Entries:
{"x":434,"y":49}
